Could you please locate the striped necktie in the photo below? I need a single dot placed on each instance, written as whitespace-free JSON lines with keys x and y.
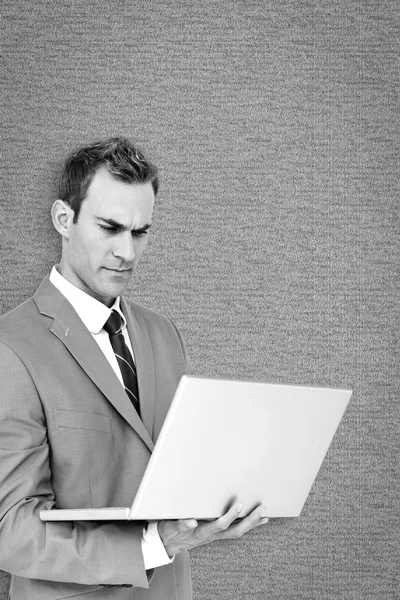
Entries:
{"x":113,"y":327}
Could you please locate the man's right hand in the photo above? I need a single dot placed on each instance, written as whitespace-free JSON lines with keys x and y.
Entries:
{"x":185,"y":534}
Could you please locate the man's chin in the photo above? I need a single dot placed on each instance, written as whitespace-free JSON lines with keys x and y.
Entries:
{"x":110,"y":291}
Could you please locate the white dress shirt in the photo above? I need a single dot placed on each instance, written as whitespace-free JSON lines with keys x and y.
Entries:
{"x":94,"y":315}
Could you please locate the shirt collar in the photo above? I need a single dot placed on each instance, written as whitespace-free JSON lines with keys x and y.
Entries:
{"x":93,"y":313}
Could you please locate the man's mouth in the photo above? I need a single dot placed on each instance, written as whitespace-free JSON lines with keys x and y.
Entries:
{"x":118,"y":270}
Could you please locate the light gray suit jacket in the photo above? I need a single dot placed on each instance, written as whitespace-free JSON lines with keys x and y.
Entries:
{"x":70,"y":437}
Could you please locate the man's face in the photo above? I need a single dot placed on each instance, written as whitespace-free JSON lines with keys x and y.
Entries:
{"x":102,"y":249}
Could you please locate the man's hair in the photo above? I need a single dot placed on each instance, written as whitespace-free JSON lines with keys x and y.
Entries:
{"x":120,"y":156}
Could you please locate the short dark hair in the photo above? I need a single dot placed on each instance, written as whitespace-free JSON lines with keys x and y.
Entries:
{"x":119,"y":155}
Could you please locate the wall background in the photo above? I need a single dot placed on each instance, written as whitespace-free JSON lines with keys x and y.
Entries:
{"x":275,"y":124}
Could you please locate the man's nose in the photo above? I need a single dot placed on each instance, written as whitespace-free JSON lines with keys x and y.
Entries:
{"x":124,"y":247}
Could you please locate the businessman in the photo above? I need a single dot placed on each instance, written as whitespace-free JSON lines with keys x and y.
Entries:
{"x":86,"y":380}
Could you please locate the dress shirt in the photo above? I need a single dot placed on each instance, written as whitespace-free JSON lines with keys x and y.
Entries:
{"x":94,"y":315}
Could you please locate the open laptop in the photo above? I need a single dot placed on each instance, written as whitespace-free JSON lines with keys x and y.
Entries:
{"x":224,"y":441}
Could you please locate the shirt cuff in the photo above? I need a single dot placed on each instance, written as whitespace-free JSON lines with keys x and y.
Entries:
{"x":154,"y":553}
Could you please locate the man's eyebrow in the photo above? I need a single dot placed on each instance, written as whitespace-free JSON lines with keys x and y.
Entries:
{"x":117,"y":225}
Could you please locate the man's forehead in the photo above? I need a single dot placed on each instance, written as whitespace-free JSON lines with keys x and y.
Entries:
{"x":103,"y":177}
{"x":109,"y":196}
{"x":116,"y":215}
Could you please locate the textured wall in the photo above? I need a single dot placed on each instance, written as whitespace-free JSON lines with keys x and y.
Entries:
{"x":275,"y":124}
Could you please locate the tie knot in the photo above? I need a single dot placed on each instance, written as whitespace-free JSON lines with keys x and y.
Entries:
{"x":113,"y":324}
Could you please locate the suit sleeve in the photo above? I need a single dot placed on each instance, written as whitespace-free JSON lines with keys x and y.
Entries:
{"x":80,"y":552}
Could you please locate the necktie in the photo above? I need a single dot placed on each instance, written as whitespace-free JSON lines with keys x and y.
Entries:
{"x":113,"y":327}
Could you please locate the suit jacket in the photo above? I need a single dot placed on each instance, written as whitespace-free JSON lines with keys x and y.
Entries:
{"x":71,"y":438}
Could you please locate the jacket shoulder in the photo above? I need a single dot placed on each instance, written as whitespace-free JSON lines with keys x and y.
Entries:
{"x":157,"y":325}
{"x":162,"y":331}
{"x":16,"y":317}
{"x":23,"y":328}
{"x":146,"y":313}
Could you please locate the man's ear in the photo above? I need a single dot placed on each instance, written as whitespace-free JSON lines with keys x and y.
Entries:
{"x":63,"y":216}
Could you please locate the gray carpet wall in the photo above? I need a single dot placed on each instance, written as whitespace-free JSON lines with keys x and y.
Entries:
{"x":275,"y":125}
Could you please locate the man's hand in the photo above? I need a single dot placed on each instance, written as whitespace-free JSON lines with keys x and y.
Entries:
{"x":185,"y":534}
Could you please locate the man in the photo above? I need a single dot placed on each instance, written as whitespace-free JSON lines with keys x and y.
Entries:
{"x":86,"y":380}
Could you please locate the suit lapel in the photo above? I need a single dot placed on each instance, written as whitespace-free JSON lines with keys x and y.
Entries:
{"x":144,"y":360}
{"x":70,"y":330}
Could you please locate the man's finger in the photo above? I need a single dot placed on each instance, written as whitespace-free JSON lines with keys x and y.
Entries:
{"x":219,"y":525}
{"x":255,"y":518}
{"x":186,"y":525}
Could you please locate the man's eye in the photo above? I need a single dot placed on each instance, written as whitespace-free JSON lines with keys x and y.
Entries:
{"x":108,"y":228}
{"x":139,"y":233}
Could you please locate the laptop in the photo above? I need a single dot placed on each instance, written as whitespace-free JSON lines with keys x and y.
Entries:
{"x":225,"y":441}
